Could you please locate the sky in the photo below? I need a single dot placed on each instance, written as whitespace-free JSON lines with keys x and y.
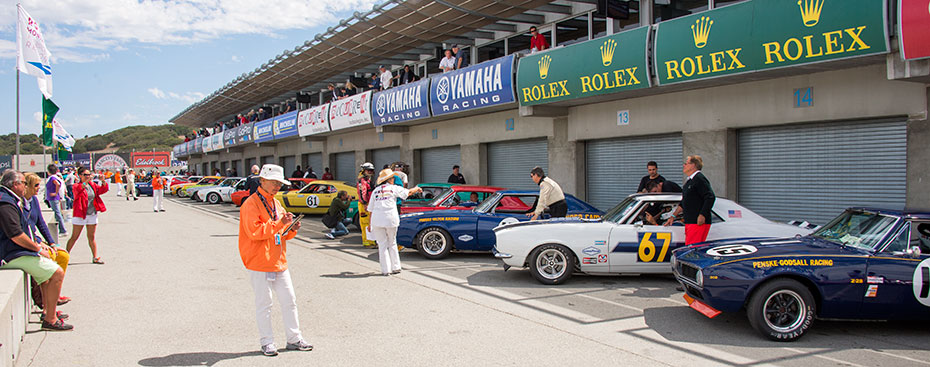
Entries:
{"x":117,"y":63}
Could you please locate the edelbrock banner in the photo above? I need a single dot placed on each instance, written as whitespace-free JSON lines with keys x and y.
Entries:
{"x":285,"y":125}
{"x":349,"y":112}
{"x":264,"y":131}
{"x":244,"y":133}
{"x":483,"y":85}
{"x":313,"y":121}
{"x":402,"y":103}
{"x":229,"y":137}
{"x":767,"y":34}
{"x":150,"y":159}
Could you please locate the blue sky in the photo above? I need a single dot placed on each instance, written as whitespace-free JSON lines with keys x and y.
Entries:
{"x":117,"y":63}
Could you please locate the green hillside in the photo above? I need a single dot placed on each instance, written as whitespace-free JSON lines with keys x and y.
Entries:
{"x":127,"y":139}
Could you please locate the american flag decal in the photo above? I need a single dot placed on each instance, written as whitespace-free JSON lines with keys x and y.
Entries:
{"x":734,"y":213}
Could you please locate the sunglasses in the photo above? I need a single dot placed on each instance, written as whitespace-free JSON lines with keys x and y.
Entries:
{"x":86,"y":174}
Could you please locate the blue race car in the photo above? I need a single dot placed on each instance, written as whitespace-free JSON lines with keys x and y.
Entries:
{"x":436,"y":233}
{"x":867,"y":264}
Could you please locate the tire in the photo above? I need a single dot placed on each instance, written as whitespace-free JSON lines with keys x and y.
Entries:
{"x":355,"y":221}
{"x":781,"y":310}
{"x":552,"y":264}
{"x":434,"y":243}
{"x":138,"y":192}
{"x":214,"y":198}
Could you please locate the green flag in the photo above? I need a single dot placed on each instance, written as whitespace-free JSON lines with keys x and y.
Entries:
{"x":63,"y":153}
{"x":49,"y":109}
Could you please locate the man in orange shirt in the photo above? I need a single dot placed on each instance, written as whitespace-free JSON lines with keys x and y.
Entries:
{"x":263,"y":248}
{"x":118,"y":180}
{"x":158,"y":192}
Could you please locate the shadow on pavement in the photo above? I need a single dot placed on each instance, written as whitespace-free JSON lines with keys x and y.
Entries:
{"x":350,"y":275}
{"x":195,"y":359}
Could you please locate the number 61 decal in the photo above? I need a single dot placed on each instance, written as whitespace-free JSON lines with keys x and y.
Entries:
{"x":647,"y":248}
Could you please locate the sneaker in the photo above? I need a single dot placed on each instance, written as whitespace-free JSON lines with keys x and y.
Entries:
{"x":61,"y":316}
{"x":300,"y":345}
{"x":269,"y":350}
{"x":161,"y":210}
{"x":396,"y":271}
{"x":155,"y":211}
{"x":57,"y":326}
{"x":330,"y":236}
{"x":63,"y":300}
{"x":127,"y":198}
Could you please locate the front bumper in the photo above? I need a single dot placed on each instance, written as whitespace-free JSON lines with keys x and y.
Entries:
{"x":502,"y":256}
{"x":701,"y":307}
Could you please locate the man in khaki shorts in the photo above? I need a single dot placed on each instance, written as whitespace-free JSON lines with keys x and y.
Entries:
{"x":19,"y":251}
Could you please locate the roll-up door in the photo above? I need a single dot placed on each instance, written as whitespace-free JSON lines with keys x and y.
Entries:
{"x":206,"y":169}
{"x":268,"y":159}
{"x":247,"y":169}
{"x":314,"y":161}
{"x":380,"y":157}
{"x":223,"y":166}
{"x":237,"y":165}
{"x":345,"y":167}
{"x":436,"y":164}
{"x":614,"y":167}
{"x":812,"y":172}
{"x":509,"y":163}
{"x":290,"y":164}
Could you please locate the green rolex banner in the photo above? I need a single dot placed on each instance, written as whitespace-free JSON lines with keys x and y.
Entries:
{"x":49,"y":109}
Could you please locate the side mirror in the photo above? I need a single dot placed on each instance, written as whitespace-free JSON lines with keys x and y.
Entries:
{"x":913,"y":252}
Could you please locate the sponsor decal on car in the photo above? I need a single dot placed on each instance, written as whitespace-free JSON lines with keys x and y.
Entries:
{"x":872,"y":292}
{"x":876,"y":280}
{"x":588,"y":260}
{"x":466,"y":238}
{"x":600,"y":243}
{"x":732,"y":250}
{"x":790,"y":262}
{"x":591,"y":251}
{"x":439,"y":219}
{"x":602,"y":258}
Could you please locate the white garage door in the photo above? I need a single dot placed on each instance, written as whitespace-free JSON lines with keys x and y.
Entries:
{"x":345,"y":167}
{"x":814,"y":171}
{"x":436,"y":164}
{"x":380,"y":157}
{"x":614,"y":167}
{"x":509,"y":163}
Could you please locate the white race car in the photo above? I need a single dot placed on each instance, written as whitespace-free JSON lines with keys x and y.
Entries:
{"x":623,"y":240}
{"x":220,"y":194}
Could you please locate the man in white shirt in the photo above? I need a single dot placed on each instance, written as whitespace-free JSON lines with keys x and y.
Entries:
{"x":385,"y":78}
{"x":550,"y":196}
{"x":447,"y":63}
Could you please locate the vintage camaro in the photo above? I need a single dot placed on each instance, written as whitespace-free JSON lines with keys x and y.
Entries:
{"x":623,"y":240}
{"x":221,"y":193}
{"x":199,"y":193}
{"x":436,"y":233}
{"x":869,"y":264}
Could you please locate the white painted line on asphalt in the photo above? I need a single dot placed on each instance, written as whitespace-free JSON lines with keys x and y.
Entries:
{"x":897,"y":356}
{"x":628,"y":307}
{"x":831,"y":359}
{"x":702,"y":349}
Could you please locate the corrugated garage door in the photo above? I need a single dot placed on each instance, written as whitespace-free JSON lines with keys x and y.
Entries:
{"x":237,"y":165}
{"x":290,"y":164}
{"x":614,"y":167}
{"x":380,"y":157}
{"x":509,"y":163}
{"x":812,"y":172}
{"x":436,"y":164}
{"x":268,"y":159}
{"x":247,"y":168}
{"x":345,"y":167}
{"x":315,"y":161}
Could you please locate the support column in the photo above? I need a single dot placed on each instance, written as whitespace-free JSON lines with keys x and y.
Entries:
{"x":407,"y":156}
{"x":562,"y":157}
{"x":718,"y":150}
{"x":474,"y":163}
{"x":918,"y":161}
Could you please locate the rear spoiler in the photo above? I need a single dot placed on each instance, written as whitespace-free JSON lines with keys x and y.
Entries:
{"x":804,"y":224}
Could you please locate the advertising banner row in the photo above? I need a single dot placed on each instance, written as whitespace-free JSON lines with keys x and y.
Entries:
{"x":746,"y":37}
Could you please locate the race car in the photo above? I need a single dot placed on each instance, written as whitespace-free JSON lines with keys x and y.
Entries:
{"x":190,"y":180}
{"x":430,"y":192}
{"x":221,"y":193}
{"x":206,"y":181}
{"x":315,"y":197}
{"x":194,"y":191}
{"x":867,"y":264}
{"x":457,"y":197}
{"x":624,"y":241}
{"x":436,"y":233}
{"x":145,"y":188}
{"x":239,"y":196}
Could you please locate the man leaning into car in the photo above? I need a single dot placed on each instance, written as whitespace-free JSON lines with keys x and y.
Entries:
{"x":697,"y":200}
{"x":550,"y":196}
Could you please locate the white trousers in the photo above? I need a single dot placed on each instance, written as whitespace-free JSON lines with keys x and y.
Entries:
{"x":159,"y":196}
{"x":263,"y":285}
{"x":387,"y":248}
{"x":119,"y":189}
{"x":131,"y":189}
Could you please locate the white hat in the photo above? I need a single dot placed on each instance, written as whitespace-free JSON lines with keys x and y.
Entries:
{"x":368,"y":165}
{"x":273,"y":172}
{"x":385,"y":175}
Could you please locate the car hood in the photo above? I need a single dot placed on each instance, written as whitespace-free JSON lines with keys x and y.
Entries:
{"x":436,"y":213}
{"x":706,"y":254}
{"x":550,"y":222}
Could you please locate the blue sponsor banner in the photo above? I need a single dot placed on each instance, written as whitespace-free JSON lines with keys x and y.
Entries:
{"x":190,"y":146}
{"x":6,"y":162}
{"x":285,"y":125}
{"x":403,"y":103}
{"x":483,"y":85}
{"x":244,"y":133}
{"x":264,"y":131}
{"x":182,"y":149}
{"x":229,"y":137}
{"x":74,"y":160}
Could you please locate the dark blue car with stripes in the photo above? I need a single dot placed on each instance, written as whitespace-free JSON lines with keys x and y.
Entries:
{"x":866,"y":264}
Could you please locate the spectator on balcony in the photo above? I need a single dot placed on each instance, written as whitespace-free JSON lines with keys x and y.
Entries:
{"x":447,"y":63}
{"x":263,"y":114}
{"x":337,"y":93}
{"x":251,"y":116}
{"x":375,"y":83}
{"x":348,"y":90}
{"x":385,"y":77}
{"x":407,"y":75}
{"x":461,"y":57}
{"x":538,"y":41}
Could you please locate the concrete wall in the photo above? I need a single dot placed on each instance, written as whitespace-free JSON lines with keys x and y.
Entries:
{"x":918,"y":160}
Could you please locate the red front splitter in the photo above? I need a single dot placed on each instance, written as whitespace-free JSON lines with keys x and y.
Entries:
{"x":701,"y":307}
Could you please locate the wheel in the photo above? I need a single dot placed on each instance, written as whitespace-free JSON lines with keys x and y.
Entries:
{"x":781,"y":310}
{"x":195,"y":196}
{"x":138,"y":192}
{"x":355,"y":221}
{"x":214,"y":198}
{"x":434,"y":243}
{"x":552,"y":264}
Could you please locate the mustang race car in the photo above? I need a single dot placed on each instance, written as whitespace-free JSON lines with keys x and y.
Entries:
{"x":456,"y":197}
{"x":315,"y":198}
{"x":623,"y":241}
{"x":195,"y":192}
{"x":430,"y":191}
{"x":206,"y":181}
{"x":865,"y":264}
{"x":436,"y":233}
{"x":221,"y":193}
{"x":190,"y":180}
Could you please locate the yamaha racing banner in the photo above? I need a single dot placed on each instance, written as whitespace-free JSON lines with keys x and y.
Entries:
{"x":483,"y":85}
{"x":402,"y":103}
{"x":77,"y":160}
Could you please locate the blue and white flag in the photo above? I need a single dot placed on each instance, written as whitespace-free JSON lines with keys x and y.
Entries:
{"x":61,"y":135}
{"x":32,"y":57}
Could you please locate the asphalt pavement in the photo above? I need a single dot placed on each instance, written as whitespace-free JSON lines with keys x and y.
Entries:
{"x":173,"y":292}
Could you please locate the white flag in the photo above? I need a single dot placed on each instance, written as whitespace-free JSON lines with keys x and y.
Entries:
{"x":60,"y":135}
{"x":32,"y":57}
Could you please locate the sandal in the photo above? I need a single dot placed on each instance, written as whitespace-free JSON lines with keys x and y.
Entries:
{"x":63,"y":300}
{"x":98,"y":261}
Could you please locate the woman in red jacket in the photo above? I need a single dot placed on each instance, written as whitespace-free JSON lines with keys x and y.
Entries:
{"x":87,"y":204}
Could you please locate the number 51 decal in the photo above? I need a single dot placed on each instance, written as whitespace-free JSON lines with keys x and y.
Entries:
{"x":648,"y":246}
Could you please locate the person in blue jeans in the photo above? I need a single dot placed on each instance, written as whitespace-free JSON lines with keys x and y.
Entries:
{"x":53,"y":195}
{"x":337,"y":215}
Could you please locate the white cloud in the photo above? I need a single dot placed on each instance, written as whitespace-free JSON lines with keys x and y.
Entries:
{"x":81,"y":31}
{"x":189,"y":97}
{"x":157,"y":93}
{"x":235,"y":58}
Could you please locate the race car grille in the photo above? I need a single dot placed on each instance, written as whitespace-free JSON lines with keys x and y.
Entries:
{"x":688,"y":271}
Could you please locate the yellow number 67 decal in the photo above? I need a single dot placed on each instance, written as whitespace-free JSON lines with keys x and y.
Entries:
{"x":647,"y":248}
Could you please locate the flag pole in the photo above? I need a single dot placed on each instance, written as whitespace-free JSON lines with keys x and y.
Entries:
{"x":17,"y":120}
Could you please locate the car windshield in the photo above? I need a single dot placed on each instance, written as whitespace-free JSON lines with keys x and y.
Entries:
{"x":438,"y":200}
{"x":621,"y":210}
{"x":229,"y":182}
{"x":488,"y":204}
{"x":208,"y":181}
{"x":857,"y":229}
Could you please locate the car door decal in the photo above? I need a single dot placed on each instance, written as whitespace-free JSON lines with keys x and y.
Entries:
{"x":922,"y":282}
{"x":313,"y":201}
{"x":651,"y":247}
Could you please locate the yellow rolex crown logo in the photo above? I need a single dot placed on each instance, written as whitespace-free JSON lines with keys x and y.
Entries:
{"x":607,"y":52}
{"x":701,"y":30}
{"x":544,"y":66}
{"x":810,"y":11}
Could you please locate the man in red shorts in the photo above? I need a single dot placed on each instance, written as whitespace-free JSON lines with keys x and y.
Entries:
{"x":697,"y":200}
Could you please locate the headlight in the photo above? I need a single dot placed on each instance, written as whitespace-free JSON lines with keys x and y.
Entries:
{"x":674,"y":262}
{"x":699,"y":278}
